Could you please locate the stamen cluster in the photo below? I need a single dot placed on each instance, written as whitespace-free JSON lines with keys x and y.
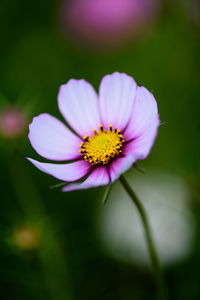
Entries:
{"x":102,"y":146}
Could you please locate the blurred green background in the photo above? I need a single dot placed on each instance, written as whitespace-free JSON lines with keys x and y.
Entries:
{"x":50,"y":242}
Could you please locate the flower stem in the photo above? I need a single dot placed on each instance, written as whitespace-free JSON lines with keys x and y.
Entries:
{"x":151,"y":247}
{"x":107,"y":194}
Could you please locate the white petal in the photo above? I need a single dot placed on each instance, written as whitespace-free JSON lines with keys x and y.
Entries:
{"x":52,"y":139}
{"x":78,"y":103}
{"x":98,"y":177}
{"x":117,"y":93}
{"x":144,"y":114}
{"x":141,"y":146}
{"x":66,"y":172}
{"x":121,"y":165}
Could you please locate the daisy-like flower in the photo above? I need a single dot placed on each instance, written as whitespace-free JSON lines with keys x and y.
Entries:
{"x":111,"y":131}
{"x":13,"y":122}
{"x":105,"y":24}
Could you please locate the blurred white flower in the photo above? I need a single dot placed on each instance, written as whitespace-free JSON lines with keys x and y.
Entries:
{"x":165,"y":198}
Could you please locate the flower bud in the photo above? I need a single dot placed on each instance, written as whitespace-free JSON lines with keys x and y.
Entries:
{"x":26,"y":237}
{"x":12,"y":123}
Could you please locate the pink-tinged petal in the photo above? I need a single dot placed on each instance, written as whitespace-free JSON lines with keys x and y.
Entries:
{"x":98,"y":177}
{"x":143,"y":114}
{"x":121,"y":165}
{"x":52,"y":139}
{"x":65,"y":172}
{"x":78,"y":103}
{"x":117,"y":93}
{"x":141,"y":146}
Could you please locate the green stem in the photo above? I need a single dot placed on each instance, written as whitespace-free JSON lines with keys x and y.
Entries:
{"x":151,"y":247}
{"x":107,"y":194}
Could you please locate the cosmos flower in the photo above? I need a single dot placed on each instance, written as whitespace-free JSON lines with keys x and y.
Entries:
{"x":112,"y":131}
{"x":13,"y":122}
{"x":107,"y":23}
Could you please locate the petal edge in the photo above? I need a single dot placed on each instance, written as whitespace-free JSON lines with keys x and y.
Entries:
{"x":78,"y":103}
{"x":65,"y":172}
{"x":98,"y":177}
{"x":116,"y":96}
{"x":51,"y":139}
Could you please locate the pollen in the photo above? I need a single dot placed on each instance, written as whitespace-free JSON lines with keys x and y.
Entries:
{"x":103,"y":146}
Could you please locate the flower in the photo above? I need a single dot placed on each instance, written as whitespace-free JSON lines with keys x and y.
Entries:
{"x":107,"y":23}
{"x":112,"y":131}
{"x":166,"y":199}
{"x":13,"y":123}
{"x":26,"y":237}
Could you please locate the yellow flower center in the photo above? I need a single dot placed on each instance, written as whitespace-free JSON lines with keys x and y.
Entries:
{"x":102,"y":146}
